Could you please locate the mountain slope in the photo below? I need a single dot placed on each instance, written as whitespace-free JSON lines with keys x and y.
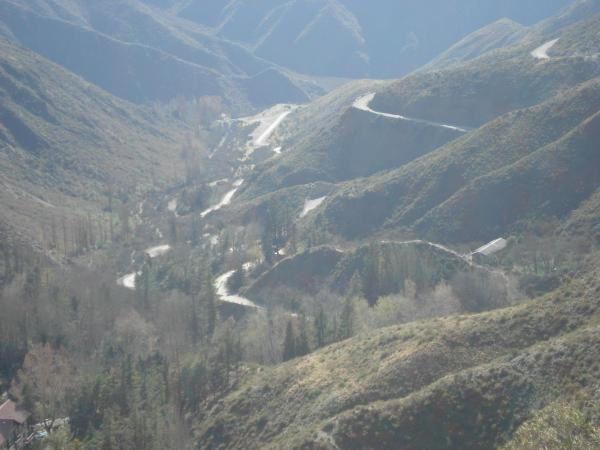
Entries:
{"x":549,"y":183}
{"x":499,"y":34}
{"x":423,"y":385}
{"x":298,"y":34}
{"x":135,"y":54}
{"x":332,"y":140}
{"x":65,"y":143}
{"x":402,"y":197}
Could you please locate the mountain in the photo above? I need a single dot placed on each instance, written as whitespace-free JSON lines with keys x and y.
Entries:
{"x":453,"y":383}
{"x":299,"y":34}
{"x":506,"y":32}
{"x":138,"y":55}
{"x":66,"y":143}
{"x":425,"y":137}
{"x":499,"y":34}
{"x":198,"y":273}
{"x":402,"y":197}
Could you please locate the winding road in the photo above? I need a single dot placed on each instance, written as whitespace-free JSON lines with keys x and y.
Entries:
{"x":542,"y":51}
{"x":226,"y":297}
{"x":128,"y":280}
{"x":226,"y":200}
{"x":310,"y":205}
{"x":362,"y":104}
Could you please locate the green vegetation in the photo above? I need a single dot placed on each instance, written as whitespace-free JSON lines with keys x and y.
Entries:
{"x":558,"y":426}
{"x":163,"y":288}
{"x":472,"y":379}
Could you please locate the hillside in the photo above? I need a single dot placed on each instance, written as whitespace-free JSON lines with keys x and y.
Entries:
{"x":472,"y":379}
{"x":402,"y":197}
{"x":328,"y":268}
{"x":140,"y":56}
{"x":549,"y":183}
{"x":499,"y":34}
{"x":500,"y":81}
{"x":505,"y":32}
{"x":215,"y":235}
{"x":298,"y":34}
{"x":408,"y":160}
{"x":66,"y":143}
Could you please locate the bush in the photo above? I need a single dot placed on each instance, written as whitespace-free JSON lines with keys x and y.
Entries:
{"x":558,"y":427}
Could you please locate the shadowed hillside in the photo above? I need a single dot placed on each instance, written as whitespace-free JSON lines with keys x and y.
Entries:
{"x":66,"y":143}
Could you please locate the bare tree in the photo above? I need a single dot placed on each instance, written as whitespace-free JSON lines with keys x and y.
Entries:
{"x":43,"y":382}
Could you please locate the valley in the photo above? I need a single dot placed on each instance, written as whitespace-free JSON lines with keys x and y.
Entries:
{"x":229,"y":225}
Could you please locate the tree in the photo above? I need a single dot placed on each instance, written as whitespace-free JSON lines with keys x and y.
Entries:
{"x":210,"y":299}
{"x":278,"y":228}
{"x":173,"y":230}
{"x":302,"y":346}
{"x":370,"y":276}
{"x":46,"y":377}
{"x":289,"y":343}
{"x":346,"y":329}
{"x":61,"y":440}
{"x":236,"y":281}
{"x":124,"y":219}
{"x":321,"y":327}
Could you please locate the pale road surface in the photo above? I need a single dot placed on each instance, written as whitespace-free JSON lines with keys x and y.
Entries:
{"x":542,"y":51}
{"x":226,"y":297}
{"x":226,"y":200}
{"x":128,"y":281}
{"x":362,"y":104}
{"x":159,"y":250}
{"x":263,"y":138}
{"x":310,"y":205}
{"x":268,"y":121}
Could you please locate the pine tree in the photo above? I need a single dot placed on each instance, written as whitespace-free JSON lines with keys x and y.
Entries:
{"x":289,"y":343}
{"x":210,"y":298}
{"x":321,"y":327}
{"x":370,"y":276}
{"x":172,"y":230}
{"x":302,"y":346}
{"x":346,"y":328}
{"x":237,"y":280}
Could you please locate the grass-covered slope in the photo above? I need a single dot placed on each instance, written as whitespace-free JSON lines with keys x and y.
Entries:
{"x":480,"y":90}
{"x":401,"y":197}
{"x":458,"y":382}
{"x":549,"y":183}
{"x":332,"y":141}
{"x":355,"y":144}
{"x":66,"y":143}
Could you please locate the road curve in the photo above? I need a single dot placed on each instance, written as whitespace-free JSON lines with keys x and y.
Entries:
{"x":362,"y":103}
{"x":542,"y":51}
{"x":226,"y":297}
